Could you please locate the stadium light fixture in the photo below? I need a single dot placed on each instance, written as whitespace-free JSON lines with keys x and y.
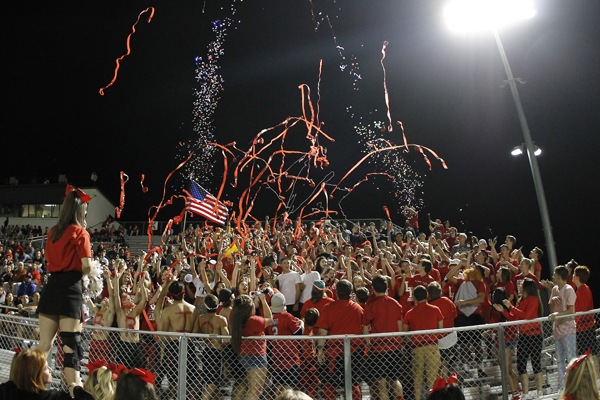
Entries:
{"x":477,"y":15}
{"x":518,"y":150}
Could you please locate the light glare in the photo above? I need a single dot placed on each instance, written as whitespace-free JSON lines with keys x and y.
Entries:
{"x":473,"y":15}
{"x":517,"y":151}
{"x":537,"y":151}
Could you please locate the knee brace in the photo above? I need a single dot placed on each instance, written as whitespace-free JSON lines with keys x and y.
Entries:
{"x":72,"y":340}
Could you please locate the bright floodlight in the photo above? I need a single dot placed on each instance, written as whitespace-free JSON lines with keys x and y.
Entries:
{"x":537,"y":151}
{"x":470,"y":15}
{"x":517,"y":151}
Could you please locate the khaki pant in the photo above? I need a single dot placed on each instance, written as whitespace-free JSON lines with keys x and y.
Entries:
{"x":426,"y":359}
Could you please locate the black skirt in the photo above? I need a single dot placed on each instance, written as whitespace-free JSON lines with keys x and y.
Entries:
{"x":62,"y":295}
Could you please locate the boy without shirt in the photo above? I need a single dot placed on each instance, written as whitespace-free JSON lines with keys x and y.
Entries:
{"x":100,"y":346}
{"x":211,"y":356}
{"x":128,"y":317}
{"x":177,"y":317}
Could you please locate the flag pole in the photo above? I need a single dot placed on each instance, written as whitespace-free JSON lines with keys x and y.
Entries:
{"x":184,"y":221}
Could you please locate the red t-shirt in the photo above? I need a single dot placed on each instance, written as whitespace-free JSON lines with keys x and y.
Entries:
{"x":449,"y":290}
{"x":443,"y":268}
{"x":448,"y":309}
{"x":66,"y":253}
{"x":519,"y":279}
{"x":537,"y":266}
{"x":255,"y":326}
{"x":382,"y":314}
{"x":435,"y":274}
{"x":422,"y":317}
{"x":319,"y":306}
{"x":584,"y":302}
{"x":284,"y":353}
{"x":528,"y":309}
{"x":339,"y":318}
{"x":513,"y":262}
{"x":480,"y":286}
{"x":406,"y":300}
{"x":509,"y":287}
{"x":421,"y":280}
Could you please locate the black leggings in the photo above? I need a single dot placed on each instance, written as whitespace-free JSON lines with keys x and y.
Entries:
{"x":529,"y":347}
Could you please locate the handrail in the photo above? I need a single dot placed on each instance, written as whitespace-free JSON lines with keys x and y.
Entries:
{"x":305,"y":337}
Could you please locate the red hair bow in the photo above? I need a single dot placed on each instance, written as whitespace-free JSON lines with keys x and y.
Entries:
{"x":580,"y":359}
{"x":79,"y":192}
{"x":17,"y":350}
{"x":144,"y":375}
{"x":440,"y":383}
{"x":116,"y":369}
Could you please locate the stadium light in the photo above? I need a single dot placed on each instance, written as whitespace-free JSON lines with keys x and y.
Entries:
{"x":518,"y":150}
{"x":490,"y":15}
{"x":476,"y":15}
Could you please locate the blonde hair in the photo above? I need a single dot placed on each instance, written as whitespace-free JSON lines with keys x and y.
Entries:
{"x":101,"y":384}
{"x":580,"y":381}
{"x":72,"y":212}
{"x":473,"y":274}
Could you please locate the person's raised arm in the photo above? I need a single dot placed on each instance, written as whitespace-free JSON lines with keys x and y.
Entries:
{"x":451,"y":274}
{"x":441,"y":252}
{"x":252,"y":273}
{"x":158,"y":311}
{"x":202,"y":266}
{"x":234,"y":276}
{"x":223,"y":276}
{"x":266,"y":310}
{"x":375,"y":245}
{"x":493,"y":252}
{"x":144,"y":298}
{"x":92,"y":307}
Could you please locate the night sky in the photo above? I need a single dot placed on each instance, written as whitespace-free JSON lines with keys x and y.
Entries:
{"x":443,"y":86}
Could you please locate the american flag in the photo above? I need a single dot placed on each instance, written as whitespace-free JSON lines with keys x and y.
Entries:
{"x":201,"y":202}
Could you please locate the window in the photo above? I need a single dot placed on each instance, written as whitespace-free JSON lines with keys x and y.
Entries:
{"x":40,"y":210}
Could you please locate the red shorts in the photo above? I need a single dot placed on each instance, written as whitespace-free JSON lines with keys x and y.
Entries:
{"x":99,"y":351}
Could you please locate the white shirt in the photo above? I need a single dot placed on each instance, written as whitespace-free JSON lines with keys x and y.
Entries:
{"x":308,"y":280}
{"x":201,"y":288}
{"x":287,"y":286}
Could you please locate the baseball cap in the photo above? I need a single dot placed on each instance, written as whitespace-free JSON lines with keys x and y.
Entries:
{"x":319,"y":285}
{"x":278,"y":303}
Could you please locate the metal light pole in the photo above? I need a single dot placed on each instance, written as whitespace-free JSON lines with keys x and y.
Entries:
{"x":535,"y":170}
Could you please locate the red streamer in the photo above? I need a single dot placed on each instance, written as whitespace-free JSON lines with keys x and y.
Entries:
{"x":128,"y":48}
{"x":144,"y":189}
{"x":122,"y":201}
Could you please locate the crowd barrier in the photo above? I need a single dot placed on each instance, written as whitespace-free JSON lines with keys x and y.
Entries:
{"x":187,"y":365}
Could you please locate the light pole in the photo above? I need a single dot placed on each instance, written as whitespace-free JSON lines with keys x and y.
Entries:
{"x":488,"y":14}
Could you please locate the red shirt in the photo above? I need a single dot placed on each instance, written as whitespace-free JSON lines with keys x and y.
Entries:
{"x":448,"y":309}
{"x":319,"y":306}
{"x":537,"y":266}
{"x":382,"y":314}
{"x":66,"y":253}
{"x":435,"y":274}
{"x":528,"y":309}
{"x":443,"y":268}
{"x":339,"y":318}
{"x":255,"y":326}
{"x":421,"y":280}
{"x":584,"y":302}
{"x":519,"y":279}
{"x":284,"y":354}
{"x":406,"y":300}
{"x":509,"y":287}
{"x":422,"y":317}
{"x":449,"y":290}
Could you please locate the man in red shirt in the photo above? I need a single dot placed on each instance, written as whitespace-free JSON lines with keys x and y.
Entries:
{"x":426,"y":355}
{"x":586,"y":332}
{"x":526,"y":272}
{"x":422,"y":277}
{"x":535,"y":255}
{"x":285,"y":358}
{"x":404,"y":287}
{"x":505,"y":260}
{"x":384,"y":314}
{"x":339,"y":318}
{"x":449,"y":312}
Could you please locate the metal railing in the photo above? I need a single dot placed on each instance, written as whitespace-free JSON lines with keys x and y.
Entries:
{"x":187,"y":365}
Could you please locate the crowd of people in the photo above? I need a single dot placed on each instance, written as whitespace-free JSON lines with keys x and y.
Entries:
{"x":281,"y":277}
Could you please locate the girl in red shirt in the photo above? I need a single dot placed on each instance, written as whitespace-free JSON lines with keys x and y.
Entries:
{"x":531,"y":337}
{"x":251,"y":353}
{"x":68,"y":253}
